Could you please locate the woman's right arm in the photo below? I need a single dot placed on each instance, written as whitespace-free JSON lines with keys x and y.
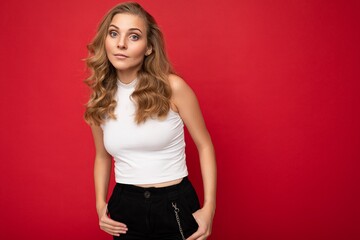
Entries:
{"x":102,"y":169}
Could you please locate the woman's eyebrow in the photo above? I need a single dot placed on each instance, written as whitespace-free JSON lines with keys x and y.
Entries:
{"x":130,"y":29}
{"x":112,"y":25}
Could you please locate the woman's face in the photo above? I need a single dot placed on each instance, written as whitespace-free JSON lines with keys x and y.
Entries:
{"x":126,"y":43}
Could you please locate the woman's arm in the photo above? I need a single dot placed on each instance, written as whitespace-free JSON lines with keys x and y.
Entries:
{"x":187,"y":105}
{"x":102,"y":168}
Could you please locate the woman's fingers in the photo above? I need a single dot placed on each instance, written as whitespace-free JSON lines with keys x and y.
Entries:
{"x":204,"y":221}
{"x":112,"y":230}
{"x":112,"y":227}
{"x":200,"y":234}
{"x":114,"y":223}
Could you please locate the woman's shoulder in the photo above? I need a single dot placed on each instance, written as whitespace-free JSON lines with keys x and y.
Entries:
{"x":181,"y":92}
{"x":178,"y":90}
{"x":177,"y":84}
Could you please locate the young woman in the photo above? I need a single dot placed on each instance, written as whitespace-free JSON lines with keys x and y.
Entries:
{"x":137,"y":111}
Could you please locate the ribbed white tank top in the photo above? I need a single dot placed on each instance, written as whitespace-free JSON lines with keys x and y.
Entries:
{"x":152,"y":152}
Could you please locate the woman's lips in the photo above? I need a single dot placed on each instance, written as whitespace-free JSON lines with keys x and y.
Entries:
{"x":120,"y":56}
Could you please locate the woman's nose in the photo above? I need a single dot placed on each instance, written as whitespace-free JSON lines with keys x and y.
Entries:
{"x":122,"y":43}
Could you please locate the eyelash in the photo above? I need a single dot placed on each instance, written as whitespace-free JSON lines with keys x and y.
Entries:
{"x":114,"y":34}
{"x":135,"y":35}
{"x":111,"y":33}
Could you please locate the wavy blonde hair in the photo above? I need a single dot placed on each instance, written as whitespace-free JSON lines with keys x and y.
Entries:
{"x":152,"y":93}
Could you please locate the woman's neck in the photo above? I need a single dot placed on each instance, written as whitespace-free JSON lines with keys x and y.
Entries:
{"x":126,"y":77}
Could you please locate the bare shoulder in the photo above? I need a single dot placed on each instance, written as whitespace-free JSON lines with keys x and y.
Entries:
{"x":178,"y":86}
{"x":182,"y":94}
{"x":177,"y":83}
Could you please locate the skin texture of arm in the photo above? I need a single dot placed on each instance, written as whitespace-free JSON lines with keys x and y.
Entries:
{"x":102,"y":168}
{"x":187,"y":106}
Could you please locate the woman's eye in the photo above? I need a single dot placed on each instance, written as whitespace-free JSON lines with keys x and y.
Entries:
{"x":134,"y":37}
{"x":113,"y":34}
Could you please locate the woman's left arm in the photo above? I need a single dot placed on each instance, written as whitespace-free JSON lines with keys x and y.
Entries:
{"x":187,"y":105}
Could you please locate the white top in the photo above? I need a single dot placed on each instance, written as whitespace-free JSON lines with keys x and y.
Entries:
{"x":148,"y":153}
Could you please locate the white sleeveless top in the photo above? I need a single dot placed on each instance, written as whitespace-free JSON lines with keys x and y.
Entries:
{"x":148,"y":153}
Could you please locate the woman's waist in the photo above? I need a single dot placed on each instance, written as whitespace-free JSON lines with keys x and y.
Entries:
{"x":160,"y":185}
{"x":156,"y":190}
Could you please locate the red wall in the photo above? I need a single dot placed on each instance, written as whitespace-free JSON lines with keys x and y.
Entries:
{"x":278,"y":82}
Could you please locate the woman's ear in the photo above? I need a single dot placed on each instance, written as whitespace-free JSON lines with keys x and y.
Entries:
{"x":148,"y":51}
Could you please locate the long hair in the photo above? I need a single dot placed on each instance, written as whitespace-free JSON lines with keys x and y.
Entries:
{"x":152,"y":93}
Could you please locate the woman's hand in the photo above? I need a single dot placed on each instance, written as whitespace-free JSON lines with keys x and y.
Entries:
{"x":204,"y":218}
{"x":108,"y":225}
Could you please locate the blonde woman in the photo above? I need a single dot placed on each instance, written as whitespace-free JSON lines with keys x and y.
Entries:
{"x":137,"y":112}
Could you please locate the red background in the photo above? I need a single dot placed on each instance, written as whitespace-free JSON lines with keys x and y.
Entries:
{"x":278,"y":83}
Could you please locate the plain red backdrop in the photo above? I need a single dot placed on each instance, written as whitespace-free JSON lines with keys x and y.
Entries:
{"x":278,"y":83}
